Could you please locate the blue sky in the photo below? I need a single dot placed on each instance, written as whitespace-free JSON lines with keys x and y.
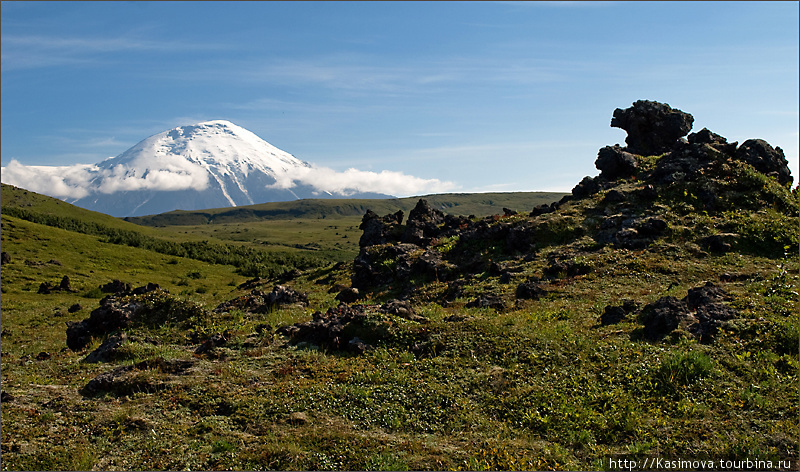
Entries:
{"x":488,"y":96}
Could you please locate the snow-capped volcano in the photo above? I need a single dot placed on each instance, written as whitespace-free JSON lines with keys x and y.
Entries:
{"x":206,"y":165}
{"x":212,"y":164}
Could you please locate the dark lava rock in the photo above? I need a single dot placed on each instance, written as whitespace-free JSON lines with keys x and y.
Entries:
{"x":331,"y":329}
{"x":613,"y":314}
{"x":588,"y":186}
{"x":108,"y":351}
{"x":125,"y":381}
{"x":614,"y":162}
{"x":700,"y":313}
{"x":542,"y":209}
{"x":652,"y":127}
{"x":115,"y":313}
{"x":380,"y":230}
{"x":707,"y":294}
{"x":766,"y":159}
{"x":614,"y":196}
{"x":253,"y":283}
{"x":75,"y":308}
{"x":348,"y":295}
{"x":565,"y":268}
{"x":530,"y":290}
{"x":5,"y":257}
{"x":722,"y":242}
{"x":638,"y":233}
{"x":115,"y":286}
{"x":664,"y":316}
{"x":6,"y":397}
{"x":403,"y":309}
{"x":262,"y":302}
{"x":64,"y":286}
{"x":423,"y":224}
{"x":706,"y":136}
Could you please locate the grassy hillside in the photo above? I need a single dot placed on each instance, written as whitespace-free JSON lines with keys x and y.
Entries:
{"x":519,"y":342}
{"x":480,"y":204}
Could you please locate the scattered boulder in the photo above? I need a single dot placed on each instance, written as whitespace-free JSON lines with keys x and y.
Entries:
{"x":115,"y":286}
{"x":6,"y":397}
{"x":5,"y":258}
{"x":349,"y":295}
{"x":706,"y":136}
{"x":638,"y":233}
{"x":380,"y":230}
{"x":116,"y":312}
{"x":253,"y":283}
{"x":614,"y":196}
{"x":567,"y":267}
{"x":332,"y":329}
{"x":75,"y":308}
{"x":721,"y":243}
{"x":613,"y":314}
{"x":423,"y":224}
{"x":652,"y":127}
{"x":700,"y":313}
{"x":542,"y":209}
{"x":613,"y":162}
{"x":64,"y":286}
{"x":262,"y":302}
{"x":108,"y":351}
{"x":664,"y":316}
{"x":701,"y":296}
{"x":588,"y":186}
{"x":402,"y":309}
{"x":125,"y":380}
{"x":766,"y":159}
{"x":530,"y":290}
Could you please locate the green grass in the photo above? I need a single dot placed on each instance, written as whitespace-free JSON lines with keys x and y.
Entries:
{"x":539,"y":386}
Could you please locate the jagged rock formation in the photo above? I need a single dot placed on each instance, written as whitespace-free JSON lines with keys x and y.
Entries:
{"x":652,"y":127}
{"x":116,"y":312}
{"x":638,"y":199}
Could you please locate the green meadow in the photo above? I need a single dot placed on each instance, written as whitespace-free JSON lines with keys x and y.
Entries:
{"x":539,"y":384}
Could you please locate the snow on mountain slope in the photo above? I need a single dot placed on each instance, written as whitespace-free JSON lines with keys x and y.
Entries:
{"x":206,"y":165}
{"x":216,"y":153}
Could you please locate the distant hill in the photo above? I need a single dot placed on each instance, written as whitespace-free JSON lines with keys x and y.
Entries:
{"x":478,"y":204}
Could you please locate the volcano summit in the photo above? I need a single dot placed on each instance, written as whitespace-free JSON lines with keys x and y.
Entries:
{"x":207,"y":165}
{"x":211,"y":164}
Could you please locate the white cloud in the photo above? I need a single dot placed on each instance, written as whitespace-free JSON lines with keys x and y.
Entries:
{"x":353,"y":180}
{"x":57,"y":181}
{"x":80,"y":180}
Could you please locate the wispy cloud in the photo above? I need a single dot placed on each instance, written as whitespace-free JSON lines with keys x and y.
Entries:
{"x":37,"y":51}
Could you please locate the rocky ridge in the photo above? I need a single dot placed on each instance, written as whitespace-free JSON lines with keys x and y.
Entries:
{"x":640,"y":201}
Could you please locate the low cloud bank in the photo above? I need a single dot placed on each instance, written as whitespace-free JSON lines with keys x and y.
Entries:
{"x":353,"y":181}
{"x":81,"y":180}
{"x":66,"y":182}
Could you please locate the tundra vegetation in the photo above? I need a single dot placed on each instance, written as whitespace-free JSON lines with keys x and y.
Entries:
{"x":651,"y":313}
